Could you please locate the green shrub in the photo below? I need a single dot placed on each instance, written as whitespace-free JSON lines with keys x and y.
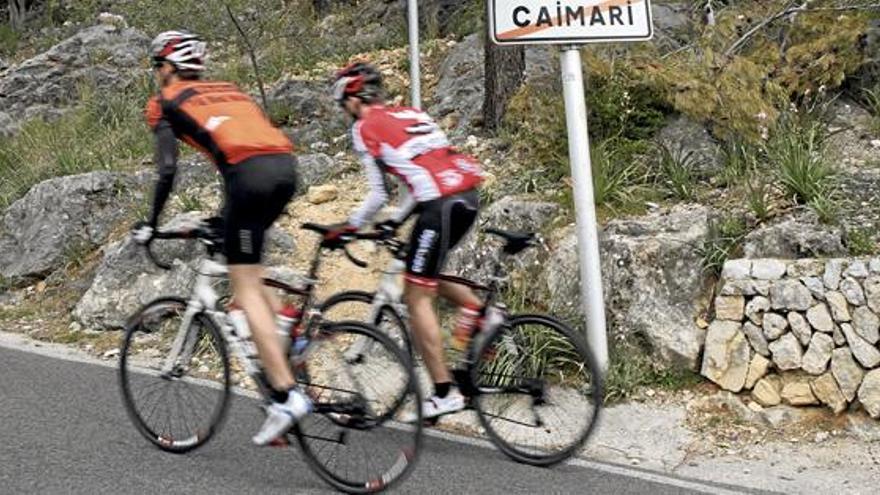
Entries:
{"x":862,"y":242}
{"x":871,"y":99}
{"x":632,"y":368}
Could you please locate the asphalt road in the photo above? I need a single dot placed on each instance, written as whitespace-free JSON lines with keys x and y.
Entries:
{"x":63,"y":429}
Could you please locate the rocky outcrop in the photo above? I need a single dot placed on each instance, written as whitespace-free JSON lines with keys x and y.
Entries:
{"x":652,"y":276}
{"x":458,"y":97}
{"x":477,"y":255}
{"x":823,"y":340}
{"x":316,"y":169}
{"x":307,"y":107}
{"x":798,"y":236}
{"x":103,"y":57}
{"x":682,"y":133}
{"x":61,"y":217}
{"x":126,"y":279}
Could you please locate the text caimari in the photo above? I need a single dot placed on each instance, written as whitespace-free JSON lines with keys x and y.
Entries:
{"x":574,"y":15}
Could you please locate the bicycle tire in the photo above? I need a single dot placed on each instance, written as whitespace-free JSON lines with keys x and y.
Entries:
{"x":329,"y":430}
{"x":500,"y":351}
{"x":387,"y":314}
{"x":165,"y":440}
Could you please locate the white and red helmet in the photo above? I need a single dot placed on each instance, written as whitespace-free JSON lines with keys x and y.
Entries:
{"x":185,"y":51}
{"x":360,"y":80}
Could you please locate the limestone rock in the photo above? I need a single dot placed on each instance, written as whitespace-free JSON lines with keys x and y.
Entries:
{"x":872,"y":293}
{"x":815,"y":286}
{"x":800,"y":327}
{"x":847,"y":372}
{"x":837,"y":335}
{"x":459,"y":92}
{"x":794,"y":237}
{"x":852,"y":291}
{"x":869,"y":393}
{"x":308,"y":108}
{"x":745,"y":287}
{"x":820,"y":318}
{"x":798,"y":393}
{"x":805,"y":268}
{"x":102,"y":56}
{"x":316,"y":169}
{"x":322,"y":194}
{"x":126,"y":279}
{"x":815,"y":360}
{"x":726,"y":359}
{"x":652,"y":276}
{"x":774,"y":326}
{"x":61,"y":215}
{"x":839,"y":307}
{"x":787,"y":352}
{"x":866,"y":354}
{"x":756,"y":308}
{"x":767,"y":391}
{"x":758,"y":369}
{"x":866,"y":324}
{"x":825,"y":389}
{"x":856,"y":269}
{"x":756,"y":338}
{"x":874,"y":265}
{"x":729,"y":308}
{"x":790,"y":295}
{"x":768,"y":269}
{"x":781,"y":416}
{"x":736,"y":269}
{"x":833,"y":274}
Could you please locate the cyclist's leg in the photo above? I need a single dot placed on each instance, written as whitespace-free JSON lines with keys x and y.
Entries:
{"x":460,"y":217}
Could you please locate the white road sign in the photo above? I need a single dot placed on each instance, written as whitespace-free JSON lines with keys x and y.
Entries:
{"x":569,"y":21}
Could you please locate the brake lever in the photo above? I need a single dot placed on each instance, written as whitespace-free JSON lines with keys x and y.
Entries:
{"x":362,"y":264}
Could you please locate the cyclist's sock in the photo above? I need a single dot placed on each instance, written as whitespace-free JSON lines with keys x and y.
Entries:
{"x":442,"y":389}
{"x":279,"y":396}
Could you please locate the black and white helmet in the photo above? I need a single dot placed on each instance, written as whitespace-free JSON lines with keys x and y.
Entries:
{"x":185,"y":51}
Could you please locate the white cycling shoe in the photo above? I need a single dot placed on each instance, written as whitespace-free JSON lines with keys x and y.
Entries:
{"x":281,"y":416}
{"x":434,"y":406}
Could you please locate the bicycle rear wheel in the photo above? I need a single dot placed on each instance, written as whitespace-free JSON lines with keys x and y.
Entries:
{"x":177,"y":402}
{"x":539,"y":390}
{"x":352,"y":440}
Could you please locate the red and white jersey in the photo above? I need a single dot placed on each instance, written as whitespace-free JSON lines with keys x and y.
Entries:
{"x":407,"y":143}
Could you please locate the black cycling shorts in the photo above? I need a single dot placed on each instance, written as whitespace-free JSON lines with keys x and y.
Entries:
{"x":442,"y":223}
{"x":257,"y":193}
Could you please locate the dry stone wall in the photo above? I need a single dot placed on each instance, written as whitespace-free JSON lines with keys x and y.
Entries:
{"x":799,"y":332}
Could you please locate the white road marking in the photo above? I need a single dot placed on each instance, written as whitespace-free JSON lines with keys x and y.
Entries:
{"x":22,"y":343}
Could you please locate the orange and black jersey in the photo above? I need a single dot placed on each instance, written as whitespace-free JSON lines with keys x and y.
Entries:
{"x":218,"y":119}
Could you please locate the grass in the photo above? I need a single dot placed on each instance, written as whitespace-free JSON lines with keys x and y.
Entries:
{"x":106,"y":132}
{"x":725,"y":235}
{"x":798,"y":153}
{"x":631,"y":368}
{"x":862,"y":242}
{"x":871,"y":99}
{"x":678,"y":171}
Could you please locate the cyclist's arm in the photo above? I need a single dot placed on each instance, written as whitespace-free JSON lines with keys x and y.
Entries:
{"x":406,"y":207}
{"x":167,"y":152}
{"x":377,"y":197}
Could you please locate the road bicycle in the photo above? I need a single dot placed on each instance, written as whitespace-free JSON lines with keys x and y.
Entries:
{"x":176,"y":375}
{"x":531,"y":378}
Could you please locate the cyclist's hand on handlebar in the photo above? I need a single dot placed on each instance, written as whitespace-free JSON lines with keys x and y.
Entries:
{"x":142,"y":233}
{"x":339,"y":230}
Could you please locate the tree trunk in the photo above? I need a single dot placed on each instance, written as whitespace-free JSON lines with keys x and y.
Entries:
{"x":505,"y":68}
{"x":17,"y":10}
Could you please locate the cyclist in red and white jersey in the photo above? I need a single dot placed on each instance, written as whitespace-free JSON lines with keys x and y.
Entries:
{"x":442,"y":185}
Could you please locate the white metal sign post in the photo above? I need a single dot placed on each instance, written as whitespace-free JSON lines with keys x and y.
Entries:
{"x":415,"y":77}
{"x":569,"y":23}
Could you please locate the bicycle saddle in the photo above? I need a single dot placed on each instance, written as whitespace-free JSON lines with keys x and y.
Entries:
{"x":515,"y":242}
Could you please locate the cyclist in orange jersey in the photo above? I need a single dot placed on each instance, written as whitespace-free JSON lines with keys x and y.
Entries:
{"x":259,"y":174}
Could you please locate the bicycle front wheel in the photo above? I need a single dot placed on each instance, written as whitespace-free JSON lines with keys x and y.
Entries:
{"x":358,"y":305}
{"x":539,"y":390}
{"x":352,"y":439}
{"x":174,"y":375}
